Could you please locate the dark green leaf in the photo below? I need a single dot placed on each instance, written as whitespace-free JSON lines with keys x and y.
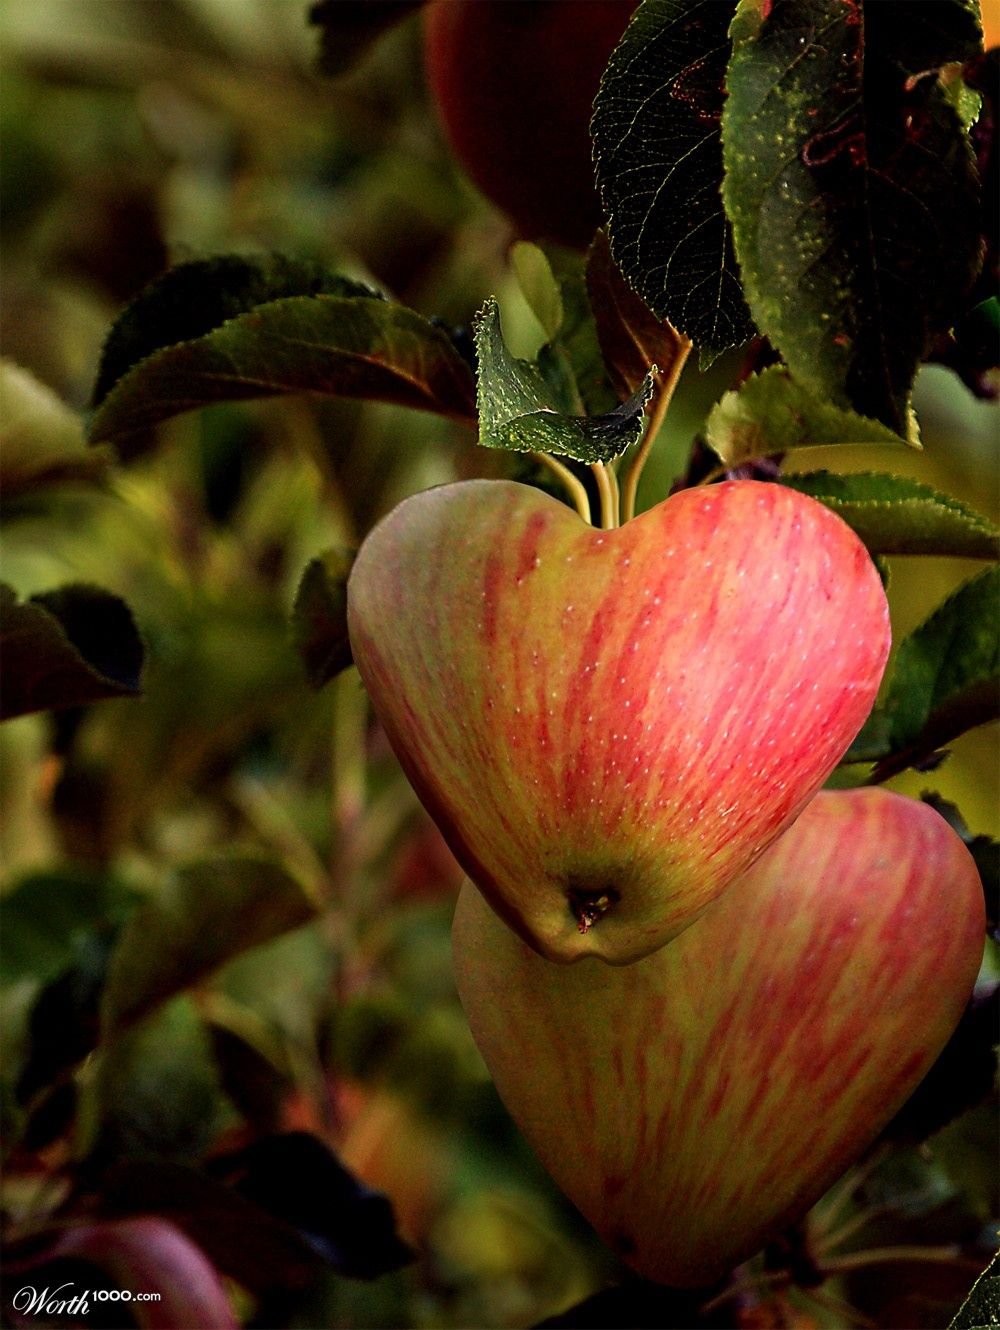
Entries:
{"x":852,"y":188}
{"x":298,"y":1179}
{"x":946,"y":680}
{"x":207,"y":914}
{"x":66,"y":648}
{"x":46,"y":915}
{"x":631,"y":337}
{"x":895,"y":515}
{"x":350,"y":27}
{"x":319,"y":616}
{"x":518,"y":410}
{"x":961,"y":1076}
{"x":772,"y":413}
{"x":981,"y":1309}
{"x":156,"y":1089}
{"x":658,"y":148}
{"x":232,"y":329}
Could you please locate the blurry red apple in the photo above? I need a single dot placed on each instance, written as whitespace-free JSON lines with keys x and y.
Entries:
{"x":608,"y":726}
{"x":514,"y":82}
{"x":694,"y":1103}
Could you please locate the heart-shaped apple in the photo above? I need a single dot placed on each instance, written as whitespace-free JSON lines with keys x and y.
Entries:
{"x":608,"y":726}
{"x":694,"y":1103}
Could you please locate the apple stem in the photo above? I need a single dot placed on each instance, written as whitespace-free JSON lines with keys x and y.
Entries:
{"x":575,"y":487}
{"x":607,"y":488}
{"x":665,"y":384}
{"x":860,"y":1260}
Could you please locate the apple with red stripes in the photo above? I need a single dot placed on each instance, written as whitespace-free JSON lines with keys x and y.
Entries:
{"x":695,"y":1103}
{"x":610,"y":725}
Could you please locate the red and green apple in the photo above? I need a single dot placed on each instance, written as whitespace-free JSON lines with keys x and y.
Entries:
{"x":609,"y":726}
{"x":513,"y":82}
{"x":694,"y":1103}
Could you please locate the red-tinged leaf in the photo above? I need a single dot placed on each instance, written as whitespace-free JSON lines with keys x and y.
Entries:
{"x":66,"y":648}
{"x":632,"y":338}
{"x":851,"y":186}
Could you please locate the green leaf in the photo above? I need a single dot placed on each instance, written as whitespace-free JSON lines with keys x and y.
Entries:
{"x":229,"y":329}
{"x":658,"y":150}
{"x":518,"y":408}
{"x":981,"y":1309}
{"x":156,"y":1090}
{"x":631,"y":337}
{"x":319,"y":616}
{"x":348,"y":28}
{"x":771,"y":413}
{"x":573,"y":362}
{"x":41,"y":439}
{"x":207,"y":914}
{"x":66,"y":648}
{"x":946,"y":680}
{"x":852,"y":188}
{"x":47,"y":914}
{"x":538,"y":286}
{"x":895,"y":515}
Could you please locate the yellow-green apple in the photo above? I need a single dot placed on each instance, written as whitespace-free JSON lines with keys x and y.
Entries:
{"x":694,"y":1103}
{"x":608,"y":726}
{"x":514,"y":83}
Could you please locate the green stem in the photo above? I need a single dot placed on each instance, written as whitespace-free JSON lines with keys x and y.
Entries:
{"x":666,"y":383}
{"x":575,"y":487}
{"x":608,"y":490}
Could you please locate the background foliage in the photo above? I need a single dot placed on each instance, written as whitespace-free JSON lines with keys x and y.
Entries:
{"x":226,"y":916}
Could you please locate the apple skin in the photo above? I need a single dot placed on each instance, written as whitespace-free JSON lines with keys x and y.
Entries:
{"x":634,"y":713}
{"x":514,"y":83}
{"x":695,"y":1103}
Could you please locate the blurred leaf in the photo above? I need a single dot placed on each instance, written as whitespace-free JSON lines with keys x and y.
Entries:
{"x":658,"y":149}
{"x":41,"y":439}
{"x":350,"y":27}
{"x":517,"y":410}
{"x":66,"y":648}
{"x":772,"y":413}
{"x":319,"y":616}
{"x":538,"y":286}
{"x":631,"y":337}
{"x":239,"y":1237}
{"x":154,"y":1090}
{"x":207,"y":914}
{"x":641,"y":1305}
{"x":46,"y":915}
{"x":852,"y":188}
{"x":288,"y":983}
{"x":984,"y":850}
{"x":963,"y":1074}
{"x":946,"y":680}
{"x":296,"y":1177}
{"x":981,"y":1309}
{"x":144,"y":1255}
{"x":574,"y":356}
{"x":229,"y":329}
{"x":895,"y":515}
